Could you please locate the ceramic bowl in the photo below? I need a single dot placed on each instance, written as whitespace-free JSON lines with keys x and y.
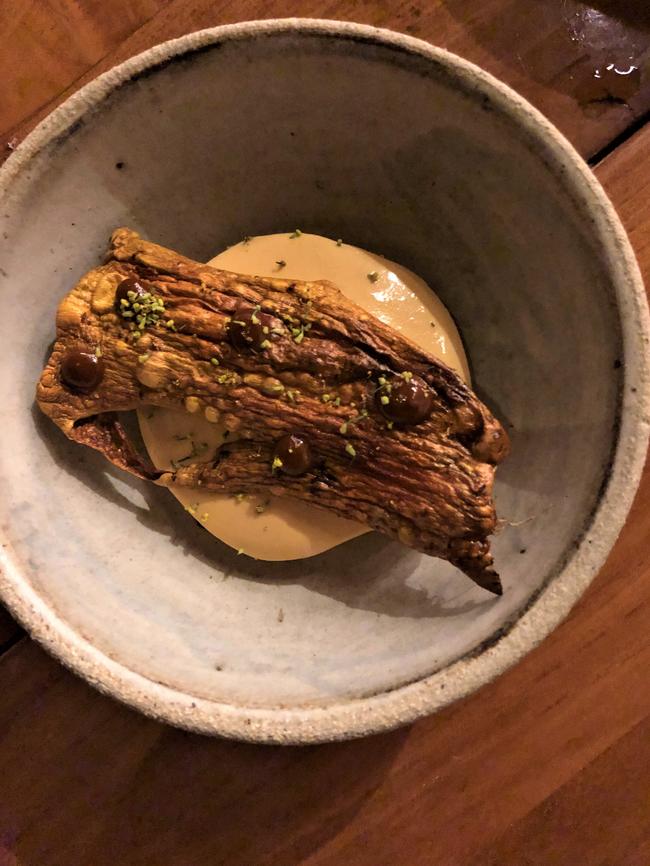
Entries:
{"x":408,"y":151}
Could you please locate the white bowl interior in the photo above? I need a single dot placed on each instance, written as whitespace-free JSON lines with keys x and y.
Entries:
{"x":394,"y":153}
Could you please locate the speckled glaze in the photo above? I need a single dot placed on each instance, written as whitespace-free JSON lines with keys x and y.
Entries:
{"x":398,"y":147}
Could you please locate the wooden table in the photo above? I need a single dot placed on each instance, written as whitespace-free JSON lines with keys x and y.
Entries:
{"x":546,"y":767}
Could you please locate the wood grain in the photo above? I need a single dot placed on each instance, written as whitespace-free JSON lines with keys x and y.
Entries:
{"x":549,"y":50}
{"x":583,"y":812}
{"x":48,"y":46}
{"x":548,"y":766}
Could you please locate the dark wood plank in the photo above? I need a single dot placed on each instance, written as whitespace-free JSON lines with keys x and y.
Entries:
{"x":637,"y":854}
{"x":613,"y":791}
{"x":550,"y":50}
{"x":47,"y":46}
{"x":626,"y":177}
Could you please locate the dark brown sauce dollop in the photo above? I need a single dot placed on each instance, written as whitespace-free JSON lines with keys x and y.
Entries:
{"x":295,"y":454}
{"x":250,"y":328}
{"x":130,"y":284}
{"x":405,"y":400}
{"x":81,"y":371}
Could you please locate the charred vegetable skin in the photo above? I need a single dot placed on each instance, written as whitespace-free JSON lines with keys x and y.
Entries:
{"x":392,"y":437}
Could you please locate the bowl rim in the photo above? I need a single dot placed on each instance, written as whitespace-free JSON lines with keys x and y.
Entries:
{"x":382,"y":711}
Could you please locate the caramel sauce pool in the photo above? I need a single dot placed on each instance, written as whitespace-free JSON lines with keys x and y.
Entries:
{"x":278,"y":528}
